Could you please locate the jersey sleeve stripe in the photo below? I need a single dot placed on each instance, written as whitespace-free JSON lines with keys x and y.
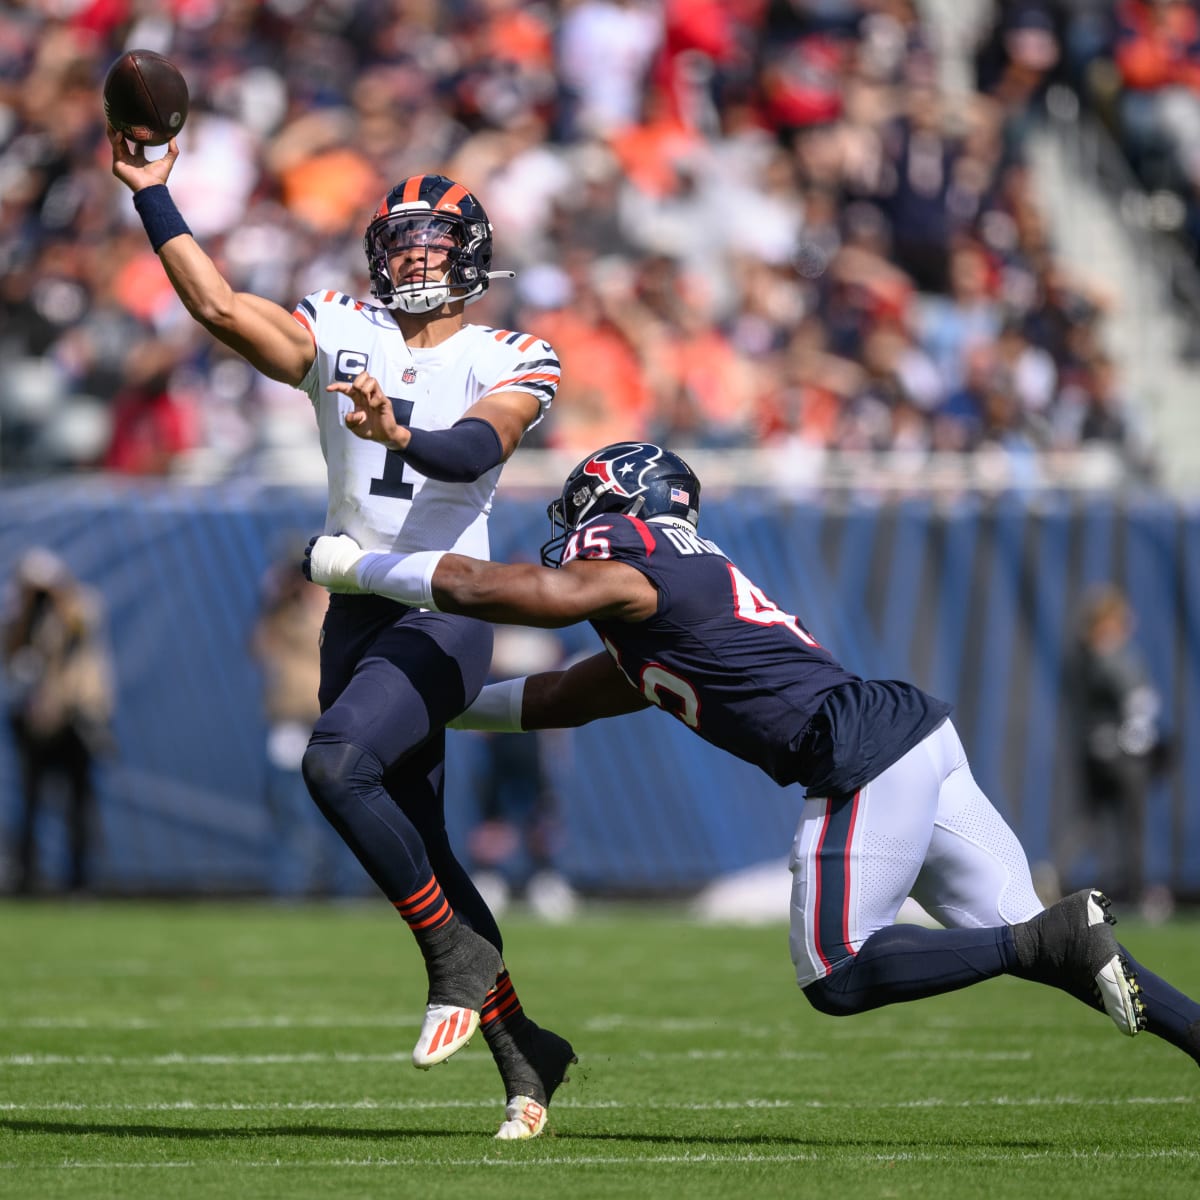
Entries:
{"x":306,"y":305}
{"x":301,"y":318}
{"x":529,"y":377}
{"x":501,"y":334}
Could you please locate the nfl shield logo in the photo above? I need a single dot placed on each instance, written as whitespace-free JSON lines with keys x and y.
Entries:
{"x":410,"y":375}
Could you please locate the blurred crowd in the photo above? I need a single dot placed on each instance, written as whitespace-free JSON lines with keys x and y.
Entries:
{"x":741,"y":223}
{"x":1136,"y":64}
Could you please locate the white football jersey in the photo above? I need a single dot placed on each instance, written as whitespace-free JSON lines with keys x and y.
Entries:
{"x":374,"y":495}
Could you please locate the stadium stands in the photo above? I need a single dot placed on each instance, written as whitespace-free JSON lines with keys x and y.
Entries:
{"x":744,"y":224}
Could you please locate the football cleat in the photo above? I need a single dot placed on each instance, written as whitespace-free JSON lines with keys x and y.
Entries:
{"x":332,"y":561}
{"x":447,"y":1028}
{"x":533,"y":1063}
{"x":524,"y":1117}
{"x":462,"y":969}
{"x":1071,"y":946}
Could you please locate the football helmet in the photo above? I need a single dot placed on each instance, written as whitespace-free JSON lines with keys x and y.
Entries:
{"x":636,"y":478}
{"x":435,"y":214}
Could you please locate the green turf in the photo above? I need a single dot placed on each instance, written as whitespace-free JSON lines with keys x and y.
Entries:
{"x":257,"y":1051}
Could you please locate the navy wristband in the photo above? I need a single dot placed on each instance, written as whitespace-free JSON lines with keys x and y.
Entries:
{"x":459,"y":454}
{"x":159,"y":214}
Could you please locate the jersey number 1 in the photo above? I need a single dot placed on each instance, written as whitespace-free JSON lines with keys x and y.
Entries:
{"x":391,"y":482}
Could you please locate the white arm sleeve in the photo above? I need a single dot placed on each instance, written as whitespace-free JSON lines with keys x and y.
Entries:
{"x":497,"y":708}
{"x":407,"y":578}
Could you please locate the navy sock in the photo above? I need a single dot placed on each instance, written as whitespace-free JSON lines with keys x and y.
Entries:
{"x":1170,"y":1014}
{"x":910,"y":962}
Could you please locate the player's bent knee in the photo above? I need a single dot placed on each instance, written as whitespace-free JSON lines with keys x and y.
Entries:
{"x":334,"y":771}
{"x":826,"y":996}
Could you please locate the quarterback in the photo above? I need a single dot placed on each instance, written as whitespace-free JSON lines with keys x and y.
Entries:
{"x":458,"y":399}
{"x":891,"y":806}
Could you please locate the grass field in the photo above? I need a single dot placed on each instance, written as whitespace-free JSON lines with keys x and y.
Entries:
{"x":256,"y":1051}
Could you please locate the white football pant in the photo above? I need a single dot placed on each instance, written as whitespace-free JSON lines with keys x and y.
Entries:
{"x":921,"y":828}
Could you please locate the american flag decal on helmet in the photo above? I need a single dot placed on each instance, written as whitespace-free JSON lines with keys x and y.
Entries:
{"x":679,"y":496}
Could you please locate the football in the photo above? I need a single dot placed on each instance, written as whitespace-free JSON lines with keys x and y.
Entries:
{"x":145,"y":97}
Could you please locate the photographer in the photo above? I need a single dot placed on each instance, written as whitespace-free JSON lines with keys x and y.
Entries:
{"x":60,"y":702}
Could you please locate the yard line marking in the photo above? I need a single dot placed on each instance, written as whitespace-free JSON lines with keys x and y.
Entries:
{"x":602,"y":1024}
{"x":278,"y":1021}
{"x":176,"y":1059}
{"x":39,"y":1058}
{"x":594,"y":1160}
{"x":756,"y":1103}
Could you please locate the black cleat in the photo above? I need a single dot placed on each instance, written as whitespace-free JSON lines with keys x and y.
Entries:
{"x":1071,"y":946}
{"x":532,"y":1064}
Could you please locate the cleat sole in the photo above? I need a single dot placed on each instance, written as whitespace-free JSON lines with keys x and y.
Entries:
{"x":1116,"y":982}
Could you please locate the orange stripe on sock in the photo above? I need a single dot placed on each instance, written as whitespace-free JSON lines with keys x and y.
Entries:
{"x":442,"y":915}
{"x":498,"y":1012}
{"x":417,"y":898}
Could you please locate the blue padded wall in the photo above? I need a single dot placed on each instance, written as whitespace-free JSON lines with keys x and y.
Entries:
{"x":971,"y":598}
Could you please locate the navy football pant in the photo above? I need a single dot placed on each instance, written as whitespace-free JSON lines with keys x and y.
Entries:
{"x":391,"y":677}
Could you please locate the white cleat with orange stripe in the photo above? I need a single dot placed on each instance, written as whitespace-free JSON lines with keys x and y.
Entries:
{"x":524,"y":1117}
{"x":447,"y":1028}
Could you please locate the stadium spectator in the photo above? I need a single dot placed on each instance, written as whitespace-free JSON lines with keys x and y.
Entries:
{"x":513,"y":845}
{"x":61,"y":692}
{"x":306,"y":855}
{"x":1116,"y":723}
{"x":154,"y":421}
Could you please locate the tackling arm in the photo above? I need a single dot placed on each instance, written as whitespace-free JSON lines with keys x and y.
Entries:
{"x":504,"y":593}
{"x":524,"y":594}
{"x":586,"y":691}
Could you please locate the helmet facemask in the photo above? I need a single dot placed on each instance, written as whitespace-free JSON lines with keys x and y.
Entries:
{"x":466,"y":245}
{"x":580,"y":500}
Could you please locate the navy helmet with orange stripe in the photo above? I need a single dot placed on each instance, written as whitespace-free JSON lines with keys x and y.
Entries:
{"x":639,"y":479}
{"x":434,"y":215}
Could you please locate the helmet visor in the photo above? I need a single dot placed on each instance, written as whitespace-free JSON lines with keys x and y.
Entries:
{"x":418,"y":230}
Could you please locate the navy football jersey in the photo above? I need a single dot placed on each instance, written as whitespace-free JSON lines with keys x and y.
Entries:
{"x":744,"y":674}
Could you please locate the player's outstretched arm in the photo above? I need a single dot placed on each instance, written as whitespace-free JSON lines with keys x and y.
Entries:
{"x":507,"y":594}
{"x":586,"y":691}
{"x":262,"y":332}
{"x":524,"y":594}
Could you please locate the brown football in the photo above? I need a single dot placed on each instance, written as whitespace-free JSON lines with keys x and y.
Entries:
{"x":145,"y":97}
